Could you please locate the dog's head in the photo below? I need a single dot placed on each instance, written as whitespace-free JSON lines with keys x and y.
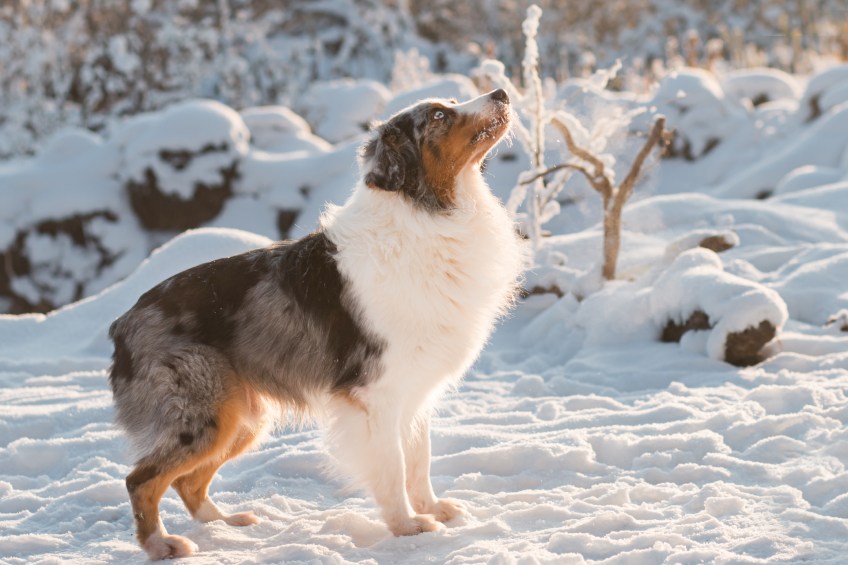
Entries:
{"x":421,"y":151}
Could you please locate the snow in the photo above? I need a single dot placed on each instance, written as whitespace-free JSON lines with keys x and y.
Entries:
{"x":695,"y":105}
{"x":578,"y":437}
{"x":278,"y":129}
{"x":444,"y":86}
{"x":807,"y":176}
{"x":342,"y":109}
{"x":215,"y":134}
{"x":696,"y":281}
{"x":827,"y":89}
{"x":761,"y":85}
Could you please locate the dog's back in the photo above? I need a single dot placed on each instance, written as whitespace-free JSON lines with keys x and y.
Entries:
{"x":276,"y":321}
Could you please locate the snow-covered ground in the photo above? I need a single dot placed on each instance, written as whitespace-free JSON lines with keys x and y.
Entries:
{"x":578,"y":436}
{"x":565,"y":449}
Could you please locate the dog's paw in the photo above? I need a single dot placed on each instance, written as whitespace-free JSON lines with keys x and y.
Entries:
{"x":168,"y":547}
{"x":414,"y":525}
{"x":241,"y":519}
{"x":446,"y":509}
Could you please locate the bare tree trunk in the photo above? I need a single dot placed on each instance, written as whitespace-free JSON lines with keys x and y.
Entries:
{"x":612,"y":240}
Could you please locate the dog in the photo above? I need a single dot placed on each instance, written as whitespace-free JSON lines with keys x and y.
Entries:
{"x":361,"y":324}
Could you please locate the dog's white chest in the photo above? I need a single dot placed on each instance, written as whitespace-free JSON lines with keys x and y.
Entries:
{"x":430,"y":286}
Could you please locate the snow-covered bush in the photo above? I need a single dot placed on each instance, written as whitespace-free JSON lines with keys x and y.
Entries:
{"x":66,"y":231}
{"x":84,"y":63}
{"x":540,"y":197}
{"x":179,"y":165}
{"x":729,"y":318}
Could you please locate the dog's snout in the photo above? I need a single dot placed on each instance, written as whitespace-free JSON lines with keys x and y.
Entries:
{"x":500,"y":95}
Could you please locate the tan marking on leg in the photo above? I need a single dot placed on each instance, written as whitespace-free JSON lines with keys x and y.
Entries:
{"x":149,"y":481}
{"x":193,"y":487}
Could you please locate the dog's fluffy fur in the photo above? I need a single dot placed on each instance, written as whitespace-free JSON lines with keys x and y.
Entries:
{"x":364,"y":322}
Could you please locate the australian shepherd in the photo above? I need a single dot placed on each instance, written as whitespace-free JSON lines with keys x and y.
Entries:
{"x":362,"y":323}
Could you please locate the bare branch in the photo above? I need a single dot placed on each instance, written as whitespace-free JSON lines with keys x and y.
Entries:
{"x":599,"y":180}
{"x":626,"y":186}
{"x":556,"y":168}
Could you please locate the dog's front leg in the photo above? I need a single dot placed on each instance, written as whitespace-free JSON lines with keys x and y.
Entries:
{"x":365,"y":437}
{"x":416,"y":448}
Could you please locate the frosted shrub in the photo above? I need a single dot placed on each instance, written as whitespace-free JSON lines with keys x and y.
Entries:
{"x":538,"y":197}
{"x":84,"y":63}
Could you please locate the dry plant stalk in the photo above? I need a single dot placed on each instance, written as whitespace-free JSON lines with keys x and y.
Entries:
{"x":613,"y":197}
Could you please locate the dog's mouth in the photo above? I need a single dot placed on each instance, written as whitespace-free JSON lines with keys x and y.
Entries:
{"x":495,"y":123}
{"x":493,"y":129}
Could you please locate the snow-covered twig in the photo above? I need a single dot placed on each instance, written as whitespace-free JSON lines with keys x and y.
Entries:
{"x":536,"y":102}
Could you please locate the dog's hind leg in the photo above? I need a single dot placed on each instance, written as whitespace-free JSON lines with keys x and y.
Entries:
{"x":156,"y":471}
{"x":146,"y":485}
{"x":365,"y":437}
{"x":416,"y":449}
{"x":193,"y":487}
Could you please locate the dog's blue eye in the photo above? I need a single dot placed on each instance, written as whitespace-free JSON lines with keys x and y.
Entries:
{"x":438,"y":115}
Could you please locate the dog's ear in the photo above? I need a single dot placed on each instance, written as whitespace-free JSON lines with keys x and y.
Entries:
{"x":392,"y":161}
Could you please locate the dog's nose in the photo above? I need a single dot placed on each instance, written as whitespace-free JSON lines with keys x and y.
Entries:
{"x":500,"y":96}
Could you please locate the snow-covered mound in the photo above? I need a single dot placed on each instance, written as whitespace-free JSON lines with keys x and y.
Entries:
{"x":738,"y":316}
{"x":698,"y":110}
{"x":179,"y":165}
{"x":343,"y":109}
{"x":65,"y":232}
{"x":822,"y":143}
{"x":760,"y":86}
{"x":561,"y":451}
{"x":277,"y":129}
